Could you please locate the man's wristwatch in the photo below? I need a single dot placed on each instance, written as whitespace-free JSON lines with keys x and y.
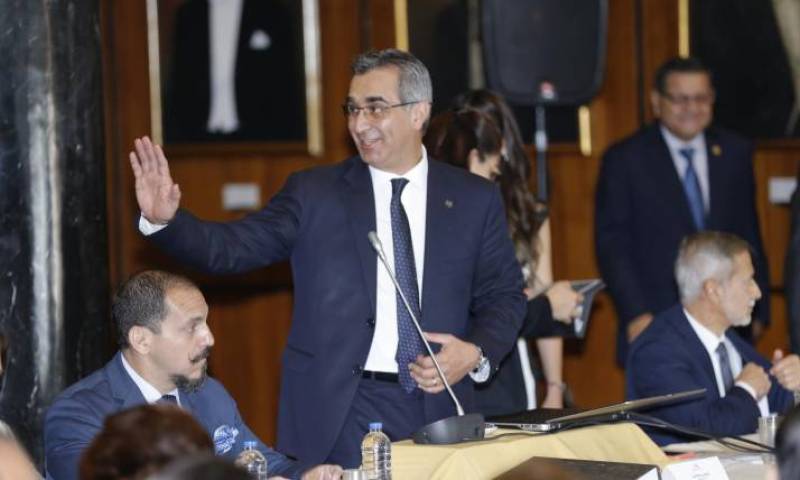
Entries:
{"x":482,"y":370}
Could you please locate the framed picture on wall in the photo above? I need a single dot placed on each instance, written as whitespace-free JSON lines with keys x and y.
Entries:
{"x":235,"y":73}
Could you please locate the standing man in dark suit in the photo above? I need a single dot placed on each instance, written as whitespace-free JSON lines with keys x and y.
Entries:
{"x":673,"y":178}
{"x":353,"y":356}
{"x":692,"y":345}
{"x":164,"y":344}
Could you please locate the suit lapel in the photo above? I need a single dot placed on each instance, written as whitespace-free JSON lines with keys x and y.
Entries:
{"x":665,"y":179}
{"x":360,"y":202}
{"x":187,"y":403}
{"x":716,"y":171}
{"x":696,"y":349}
{"x":745,"y":350}
{"x":123,"y":388}
{"x":437,"y":239}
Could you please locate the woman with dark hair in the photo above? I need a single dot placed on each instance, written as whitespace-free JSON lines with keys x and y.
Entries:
{"x":467,"y":139}
{"x":476,"y":134}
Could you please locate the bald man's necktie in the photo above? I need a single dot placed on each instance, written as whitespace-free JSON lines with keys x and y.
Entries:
{"x":409,"y":344}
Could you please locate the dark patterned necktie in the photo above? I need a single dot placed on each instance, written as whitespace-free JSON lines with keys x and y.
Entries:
{"x":168,"y":400}
{"x":725,"y":366}
{"x":691,"y":185}
{"x":409,"y":345}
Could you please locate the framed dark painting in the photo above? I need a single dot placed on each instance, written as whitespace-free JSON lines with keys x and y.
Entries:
{"x":235,"y":72}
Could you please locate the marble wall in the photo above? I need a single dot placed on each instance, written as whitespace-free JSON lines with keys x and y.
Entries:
{"x":53,"y":245}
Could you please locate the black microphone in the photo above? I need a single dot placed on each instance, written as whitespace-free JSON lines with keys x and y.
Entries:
{"x":461,"y":428}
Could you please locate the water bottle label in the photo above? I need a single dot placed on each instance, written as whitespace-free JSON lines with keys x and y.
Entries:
{"x":224,"y":439}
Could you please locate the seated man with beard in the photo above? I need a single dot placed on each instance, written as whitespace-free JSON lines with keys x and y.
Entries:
{"x":164,"y":343}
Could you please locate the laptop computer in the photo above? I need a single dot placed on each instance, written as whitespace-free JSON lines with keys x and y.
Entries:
{"x":549,"y":420}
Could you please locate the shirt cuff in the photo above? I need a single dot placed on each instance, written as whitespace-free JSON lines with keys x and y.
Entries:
{"x":147,"y":228}
{"x":481,"y":375}
{"x":747,"y":388}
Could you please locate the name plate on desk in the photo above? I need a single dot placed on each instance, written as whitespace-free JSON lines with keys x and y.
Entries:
{"x":709,"y":468}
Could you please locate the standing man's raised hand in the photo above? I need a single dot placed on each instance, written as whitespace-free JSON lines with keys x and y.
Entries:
{"x":157,"y":194}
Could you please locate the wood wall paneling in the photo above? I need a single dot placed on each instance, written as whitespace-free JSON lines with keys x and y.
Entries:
{"x":247,"y":328}
{"x":659,"y":39}
{"x":614,"y":114}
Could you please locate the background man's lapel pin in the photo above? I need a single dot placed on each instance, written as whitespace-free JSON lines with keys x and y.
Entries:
{"x":448,"y":203}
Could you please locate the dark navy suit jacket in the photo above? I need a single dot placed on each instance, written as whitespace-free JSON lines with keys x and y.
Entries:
{"x":78,"y":413}
{"x":642,"y":214}
{"x":668,"y":357}
{"x":472,"y":284}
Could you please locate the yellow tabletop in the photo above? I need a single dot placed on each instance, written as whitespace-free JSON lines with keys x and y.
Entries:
{"x":622,"y":442}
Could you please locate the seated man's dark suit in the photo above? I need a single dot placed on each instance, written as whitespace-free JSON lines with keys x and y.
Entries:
{"x":669,"y":357}
{"x":641,"y":216}
{"x":78,"y":413}
{"x":471,"y":288}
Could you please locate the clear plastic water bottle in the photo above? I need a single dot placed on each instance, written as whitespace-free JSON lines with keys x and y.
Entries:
{"x":376,"y":453}
{"x":252,"y":461}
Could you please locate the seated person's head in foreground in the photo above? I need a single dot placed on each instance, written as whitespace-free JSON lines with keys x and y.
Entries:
{"x":136,"y":442}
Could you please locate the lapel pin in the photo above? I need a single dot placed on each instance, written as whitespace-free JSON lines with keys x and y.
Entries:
{"x":716,"y":150}
{"x":448,"y":203}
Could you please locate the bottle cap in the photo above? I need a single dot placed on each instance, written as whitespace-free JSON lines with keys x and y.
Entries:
{"x":250,"y":444}
{"x":375,"y":426}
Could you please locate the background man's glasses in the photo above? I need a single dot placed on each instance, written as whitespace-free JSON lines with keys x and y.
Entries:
{"x":685,"y":100}
{"x":373,"y":111}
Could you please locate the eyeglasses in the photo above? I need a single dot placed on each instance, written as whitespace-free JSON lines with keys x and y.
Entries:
{"x":684,"y":100}
{"x":373,"y":111}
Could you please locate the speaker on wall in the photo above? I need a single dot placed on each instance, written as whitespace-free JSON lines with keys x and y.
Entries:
{"x":545,"y":51}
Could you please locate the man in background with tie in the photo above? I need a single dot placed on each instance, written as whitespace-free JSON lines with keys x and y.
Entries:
{"x":353,"y":356}
{"x":672,"y":178}
{"x":164,"y":346}
{"x":692,"y":345}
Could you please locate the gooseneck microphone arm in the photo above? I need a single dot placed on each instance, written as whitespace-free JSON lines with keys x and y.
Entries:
{"x":378,"y":247}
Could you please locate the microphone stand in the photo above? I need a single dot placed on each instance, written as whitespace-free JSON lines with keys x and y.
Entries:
{"x":457,"y":429}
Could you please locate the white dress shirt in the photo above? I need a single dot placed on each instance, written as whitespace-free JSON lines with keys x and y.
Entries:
{"x":414,"y":200}
{"x":699,"y":160}
{"x":149,"y":392}
{"x":711,"y":341}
